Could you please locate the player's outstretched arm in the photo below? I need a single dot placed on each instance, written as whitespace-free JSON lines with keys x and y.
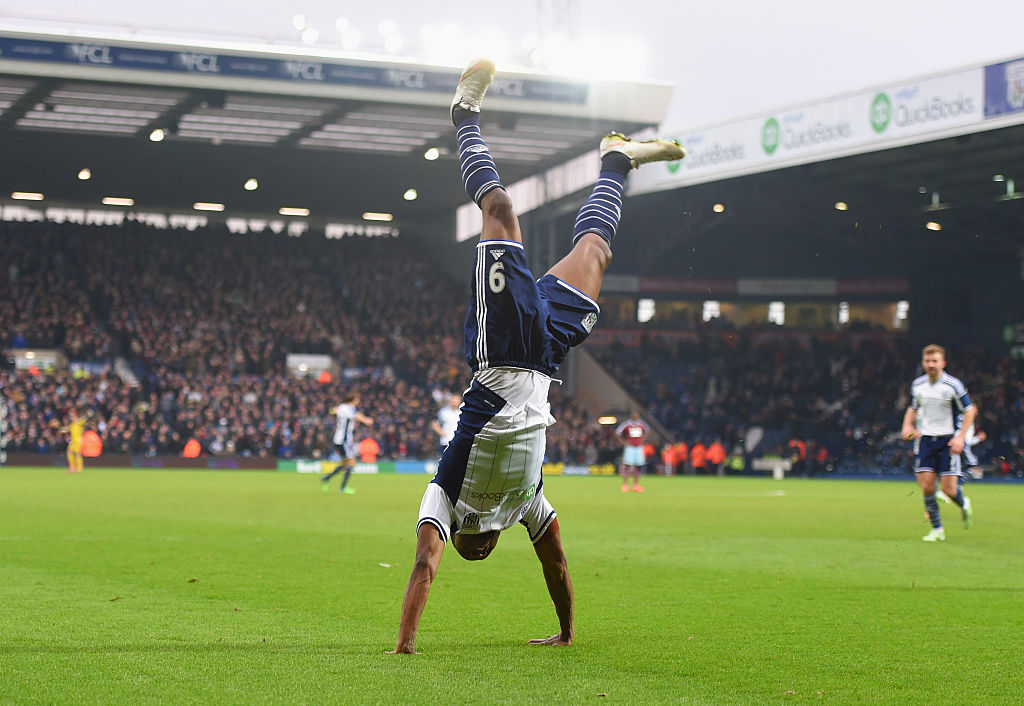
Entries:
{"x":429,"y":547}
{"x":556,"y":575}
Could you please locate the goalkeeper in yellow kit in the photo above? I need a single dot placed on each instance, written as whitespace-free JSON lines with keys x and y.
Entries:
{"x":75,"y":429}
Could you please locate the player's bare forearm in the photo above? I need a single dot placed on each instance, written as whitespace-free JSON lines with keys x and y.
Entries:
{"x":909,"y":420}
{"x":556,"y":576}
{"x":429,"y":547}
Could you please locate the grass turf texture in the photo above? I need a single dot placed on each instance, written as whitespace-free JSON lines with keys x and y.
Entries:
{"x":245,"y":587}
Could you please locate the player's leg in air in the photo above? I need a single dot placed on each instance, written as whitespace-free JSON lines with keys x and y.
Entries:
{"x":582,"y":270}
{"x":479,"y":173}
{"x":598,"y":220}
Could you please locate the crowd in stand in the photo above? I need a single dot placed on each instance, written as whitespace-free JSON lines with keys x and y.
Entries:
{"x":826,"y":402}
{"x":206,"y":318}
{"x":248,"y":415}
{"x":206,"y":301}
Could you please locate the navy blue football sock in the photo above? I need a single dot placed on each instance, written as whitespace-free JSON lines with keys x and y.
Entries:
{"x":959,"y":497}
{"x":931,"y":505}
{"x":459,"y":115}
{"x":479,"y":174}
{"x":616,"y":162}
{"x":602,"y":211}
{"x":348,"y":472}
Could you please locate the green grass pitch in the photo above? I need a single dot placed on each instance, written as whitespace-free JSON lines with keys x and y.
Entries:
{"x":245,"y":587}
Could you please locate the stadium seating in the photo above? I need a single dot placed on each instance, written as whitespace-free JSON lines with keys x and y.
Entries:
{"x":844,"y":394}
{"x":205,"y":318}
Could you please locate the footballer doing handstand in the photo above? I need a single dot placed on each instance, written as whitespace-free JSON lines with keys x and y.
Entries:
{"x":518,"y":331}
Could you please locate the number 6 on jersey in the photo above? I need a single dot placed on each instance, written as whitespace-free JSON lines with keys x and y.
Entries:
{"x":495,"y":277}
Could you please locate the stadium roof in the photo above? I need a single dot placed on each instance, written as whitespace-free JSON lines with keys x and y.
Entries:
{"x":787,"y":221}
{"x":335,"y":135}
{"x":356,"y":144}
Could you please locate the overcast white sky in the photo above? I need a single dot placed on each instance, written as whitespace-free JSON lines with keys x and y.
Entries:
{"x":727,"y":58}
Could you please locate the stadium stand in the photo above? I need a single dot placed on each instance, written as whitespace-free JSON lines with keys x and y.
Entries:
{"x":843,"y":397}
{"x":205,"y":319}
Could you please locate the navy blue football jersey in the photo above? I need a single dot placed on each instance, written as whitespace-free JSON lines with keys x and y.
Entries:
{"x":514,"y":321}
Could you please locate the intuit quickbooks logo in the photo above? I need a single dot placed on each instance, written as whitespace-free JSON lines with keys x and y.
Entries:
{"x":881,"y":113}
{"x":770,"y":135}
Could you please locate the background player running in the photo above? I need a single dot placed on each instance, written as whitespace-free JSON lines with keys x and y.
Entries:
{"x":967,"y":462}
{"x":936,"y":399}
{"x":518,"y":331}
{"x":345,"y":424}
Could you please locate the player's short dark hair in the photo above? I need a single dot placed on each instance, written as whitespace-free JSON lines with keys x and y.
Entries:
{"x":474,"y":547}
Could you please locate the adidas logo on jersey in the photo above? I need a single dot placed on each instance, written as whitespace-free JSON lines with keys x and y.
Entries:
{"x":497,"y":253}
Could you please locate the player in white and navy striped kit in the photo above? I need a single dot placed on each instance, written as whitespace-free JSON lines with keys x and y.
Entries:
{"x":936,"y":400}
{"x":447,"y":421}
{"x":346,"y":417}
{"x":967,"y":462}
{"x":518,"y":331}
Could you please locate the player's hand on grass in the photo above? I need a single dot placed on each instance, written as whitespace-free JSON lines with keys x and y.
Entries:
{"x":409,"y":651}
{"x":553,"y":640}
